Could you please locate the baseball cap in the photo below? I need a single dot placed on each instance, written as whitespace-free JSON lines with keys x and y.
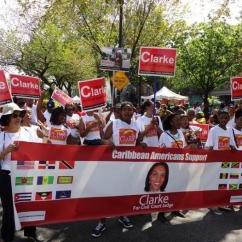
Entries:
{"x":9,"y":109}
{"x":50,"y":104}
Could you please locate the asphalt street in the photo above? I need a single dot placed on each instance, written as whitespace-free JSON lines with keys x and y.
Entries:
{"x":198,"y":226}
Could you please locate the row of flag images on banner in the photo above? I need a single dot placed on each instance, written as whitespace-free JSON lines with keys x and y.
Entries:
{"x":226,"y":175}
{"x":42,"y":196}
{"x":45,"y":165}
{"x":43,"y":180}
{"x":231,"y":165}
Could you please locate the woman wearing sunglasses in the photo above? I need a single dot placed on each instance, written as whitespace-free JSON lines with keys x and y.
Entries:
{"x":12,"y":132}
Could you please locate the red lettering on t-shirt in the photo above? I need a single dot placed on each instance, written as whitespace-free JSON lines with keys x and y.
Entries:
{"x":127,"y":136}
{"x":58,"y":134}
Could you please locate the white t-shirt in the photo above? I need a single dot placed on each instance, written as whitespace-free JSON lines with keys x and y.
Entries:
{"x":72,"y":122}
{"x":236,"y":134}
{"x":7,"y":138}
{"x":151,"y":138}
{"x":58,"y":134}
{"x":172,"y":141}
{"x":94,"y":133}
{"x":47,"y":116}
{"x":218,"y":138}
{"x":33,"y":129}
{"x":112,"y":117}
{"x":124,"y":134}
{"x":231,"y":123}
{"x":34,"y":114}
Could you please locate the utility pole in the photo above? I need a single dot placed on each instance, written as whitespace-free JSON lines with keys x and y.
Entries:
{"x":120,"y":36}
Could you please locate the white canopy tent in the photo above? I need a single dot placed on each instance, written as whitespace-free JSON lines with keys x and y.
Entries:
{"x":76,"y":99}
{"x":165,"y":93}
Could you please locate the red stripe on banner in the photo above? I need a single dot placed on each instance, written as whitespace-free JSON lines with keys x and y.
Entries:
{"x":37,"y":151}
{"x":68,"y":210}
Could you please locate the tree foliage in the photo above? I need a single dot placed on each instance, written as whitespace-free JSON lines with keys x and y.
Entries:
{"x":209,"y":54}
{"x":65,"y":41}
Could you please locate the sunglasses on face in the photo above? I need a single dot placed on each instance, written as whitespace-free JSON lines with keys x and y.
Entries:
{"x":18,"y":114}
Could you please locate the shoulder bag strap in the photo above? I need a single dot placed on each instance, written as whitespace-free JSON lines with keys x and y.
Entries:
{"x":178,"y":146}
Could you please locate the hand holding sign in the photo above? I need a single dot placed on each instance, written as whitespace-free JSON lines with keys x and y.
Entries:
{"x":156,"y":61}
{"x":236,"y":88}
{"x":61,"y":97}
{"x":5,"y":95}
{"x":25,"y":86}
{"x":92,"y":93}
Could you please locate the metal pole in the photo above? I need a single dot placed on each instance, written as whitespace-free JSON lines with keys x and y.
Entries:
{"x":155,"y":90}
{"x":120,"y":36}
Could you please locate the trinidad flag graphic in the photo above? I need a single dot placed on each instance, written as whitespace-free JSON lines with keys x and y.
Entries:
{"x":66,"y":164}
{"x":235,"y":165}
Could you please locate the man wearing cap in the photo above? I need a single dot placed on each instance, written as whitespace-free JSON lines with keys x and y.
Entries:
{"x":11,"y":119}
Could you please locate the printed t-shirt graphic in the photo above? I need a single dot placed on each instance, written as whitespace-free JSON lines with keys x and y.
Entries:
{"x":235,"y":138}
{"x":58,"y":134}
{"x":172,"y":141}
{"x":94,"y":132}
{"x":218,"y":138}
{"x":177,"y":144}
{"x":72,"y":122}
{"x":95,"y":127}
{"x":152,"y":132}
{"x":151,"y":137}
{"x":127,"y":136}
{"x":238,"y":138}
{"x":124,"y":134}
{"x":223,"y":143}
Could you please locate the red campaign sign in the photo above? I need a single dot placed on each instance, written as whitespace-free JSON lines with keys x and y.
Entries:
{"x":236,"y":87}
{"x":155,"y":61}
{"x":25,"y":86}
{"x":203,"y":134}
{"x":5,"y":95}
{"x":61,"y":97}
{"x":92,"y":93}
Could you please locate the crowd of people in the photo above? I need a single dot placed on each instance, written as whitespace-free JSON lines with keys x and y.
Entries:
{"x":159,"y":126}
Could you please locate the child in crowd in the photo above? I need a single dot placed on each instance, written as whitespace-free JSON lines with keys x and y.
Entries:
{"x":219,"y":139}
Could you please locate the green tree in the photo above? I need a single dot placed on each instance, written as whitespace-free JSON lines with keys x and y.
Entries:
{"x":209,"y":54}
{"x":53,"y":55}
{"x":65,"y":44}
